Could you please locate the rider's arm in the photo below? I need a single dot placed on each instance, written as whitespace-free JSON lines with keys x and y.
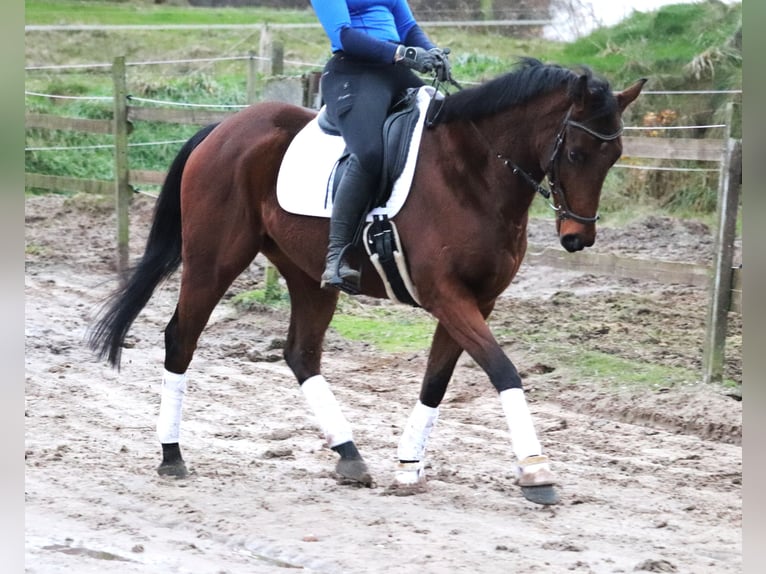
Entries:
{"x":336,"y":21}
{"x":409,"y":32}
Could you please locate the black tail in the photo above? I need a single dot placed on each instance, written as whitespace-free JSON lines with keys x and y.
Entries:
{"x":161,"y":258}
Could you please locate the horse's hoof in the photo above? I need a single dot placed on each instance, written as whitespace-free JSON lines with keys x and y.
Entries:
{"x":410,"y":474}
{"x":354,"y":471}
{"x":535,"y":471}
{"x":545,"y":495}
{"x":176,"y":469}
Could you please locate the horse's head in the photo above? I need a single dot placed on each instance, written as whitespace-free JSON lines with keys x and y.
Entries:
{"x":586,"y":146}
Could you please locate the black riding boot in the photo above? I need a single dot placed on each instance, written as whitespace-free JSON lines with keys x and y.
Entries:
{"x":350,"y":205}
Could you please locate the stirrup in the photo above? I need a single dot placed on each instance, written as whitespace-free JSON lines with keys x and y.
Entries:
{"x":345,"y":285}
{"x":348,"y":282}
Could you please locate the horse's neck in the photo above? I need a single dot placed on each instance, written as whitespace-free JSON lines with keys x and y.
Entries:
{"x":525,"y":134}
{"x":496,"y":146}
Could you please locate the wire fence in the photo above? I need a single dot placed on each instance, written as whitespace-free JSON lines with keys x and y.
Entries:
{"x":182,"y":104}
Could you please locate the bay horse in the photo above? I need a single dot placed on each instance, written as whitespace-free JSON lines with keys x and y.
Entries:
{"x":481,"y":162}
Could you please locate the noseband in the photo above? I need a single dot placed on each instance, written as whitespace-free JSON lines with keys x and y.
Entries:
{"x":562,"y":209}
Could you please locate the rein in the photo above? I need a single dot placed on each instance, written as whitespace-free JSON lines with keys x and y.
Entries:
{"x":562,"y":209}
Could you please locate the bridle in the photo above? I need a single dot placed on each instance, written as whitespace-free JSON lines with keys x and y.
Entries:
{"x":551,"y":171}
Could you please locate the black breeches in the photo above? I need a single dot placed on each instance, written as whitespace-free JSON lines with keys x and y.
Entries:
{"x":358,"y":96}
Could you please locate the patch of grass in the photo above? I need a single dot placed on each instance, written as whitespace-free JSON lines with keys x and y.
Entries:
{"x":34,"y":191}
{"x":731,"y":384}
{"x":663,"y":41}
{"x":618,"y":371}
{"x":388,"y":330}
{"x":135,"y":12}
{"x":33,"y":249}
{"x":273,"y":297}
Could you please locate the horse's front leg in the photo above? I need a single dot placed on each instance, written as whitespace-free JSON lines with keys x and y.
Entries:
{"x":467,"y":326}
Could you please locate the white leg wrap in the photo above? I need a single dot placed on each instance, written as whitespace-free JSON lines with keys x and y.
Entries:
{"x":171,"y":402}
{"x":412,"y":444}
{"x":326,"y":410}
{"x":523,"y":435}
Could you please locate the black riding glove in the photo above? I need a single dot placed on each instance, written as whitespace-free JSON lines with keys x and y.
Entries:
{"x":442,"y":65}
{"x":419,"y":59}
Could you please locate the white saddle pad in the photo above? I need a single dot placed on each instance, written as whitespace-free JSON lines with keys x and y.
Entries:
{"x":308,"y":167}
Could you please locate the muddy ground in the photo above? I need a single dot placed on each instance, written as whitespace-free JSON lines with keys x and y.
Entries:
{"x":651,"y":474}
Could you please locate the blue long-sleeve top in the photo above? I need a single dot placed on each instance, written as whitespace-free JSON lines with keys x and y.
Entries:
{"x":369,"y":29}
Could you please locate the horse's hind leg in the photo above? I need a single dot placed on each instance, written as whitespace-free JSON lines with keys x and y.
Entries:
{"x":207,"y":274}
{"x":442,"y":359}
{"x":412,"y":444}
{"x":311,"y":311}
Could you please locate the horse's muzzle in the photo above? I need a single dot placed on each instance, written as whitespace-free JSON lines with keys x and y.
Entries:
{"x":575,"y":242}
{"x":575,"y":236}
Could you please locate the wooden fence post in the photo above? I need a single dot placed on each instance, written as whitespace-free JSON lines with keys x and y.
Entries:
{"x":730,"y":183}
{"x":264,"y":50}
{"x":277,"y":59}
{"x":274,"y":65}
{"x":311,"y":96}
{"x":121,"y":172}
{"x":252,"y":74}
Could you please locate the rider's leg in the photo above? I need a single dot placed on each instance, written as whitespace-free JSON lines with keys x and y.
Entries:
{"x":349,"y":207}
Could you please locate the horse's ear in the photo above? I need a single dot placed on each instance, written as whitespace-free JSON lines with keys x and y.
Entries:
{"x":579,"y":93}
{"x":625,"y":97}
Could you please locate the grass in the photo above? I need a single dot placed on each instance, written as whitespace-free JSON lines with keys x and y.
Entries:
{"x":622,"y":373}
{"x":273,"y":297}
{"x":399,"y":330}
{"x":594,"y":365}
{"x":389,"y":330}
{"x":33,"y":249}
{"x":145,"y":13}
{"x":618,"y":371}
{"x":662,"y":42}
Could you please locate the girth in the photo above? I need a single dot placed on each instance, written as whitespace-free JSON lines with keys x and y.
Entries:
{"x":381,"y":241}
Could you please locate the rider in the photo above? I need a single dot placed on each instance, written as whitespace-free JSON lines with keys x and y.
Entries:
{"x":376,"y":44}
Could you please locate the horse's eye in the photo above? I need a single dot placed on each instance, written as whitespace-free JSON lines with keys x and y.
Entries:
{"x":576,"y":156}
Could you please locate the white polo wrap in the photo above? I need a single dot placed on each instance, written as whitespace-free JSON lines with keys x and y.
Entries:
{"x":171,"y":403}
{"x":523,"y":435}
{"x":326,"y":410}
{"x":412,"y":445}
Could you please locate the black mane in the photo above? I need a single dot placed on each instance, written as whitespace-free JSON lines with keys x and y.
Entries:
{"x":530,"y":79}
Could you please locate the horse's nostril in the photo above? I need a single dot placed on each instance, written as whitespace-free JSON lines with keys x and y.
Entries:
{"x":572,"y":242}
